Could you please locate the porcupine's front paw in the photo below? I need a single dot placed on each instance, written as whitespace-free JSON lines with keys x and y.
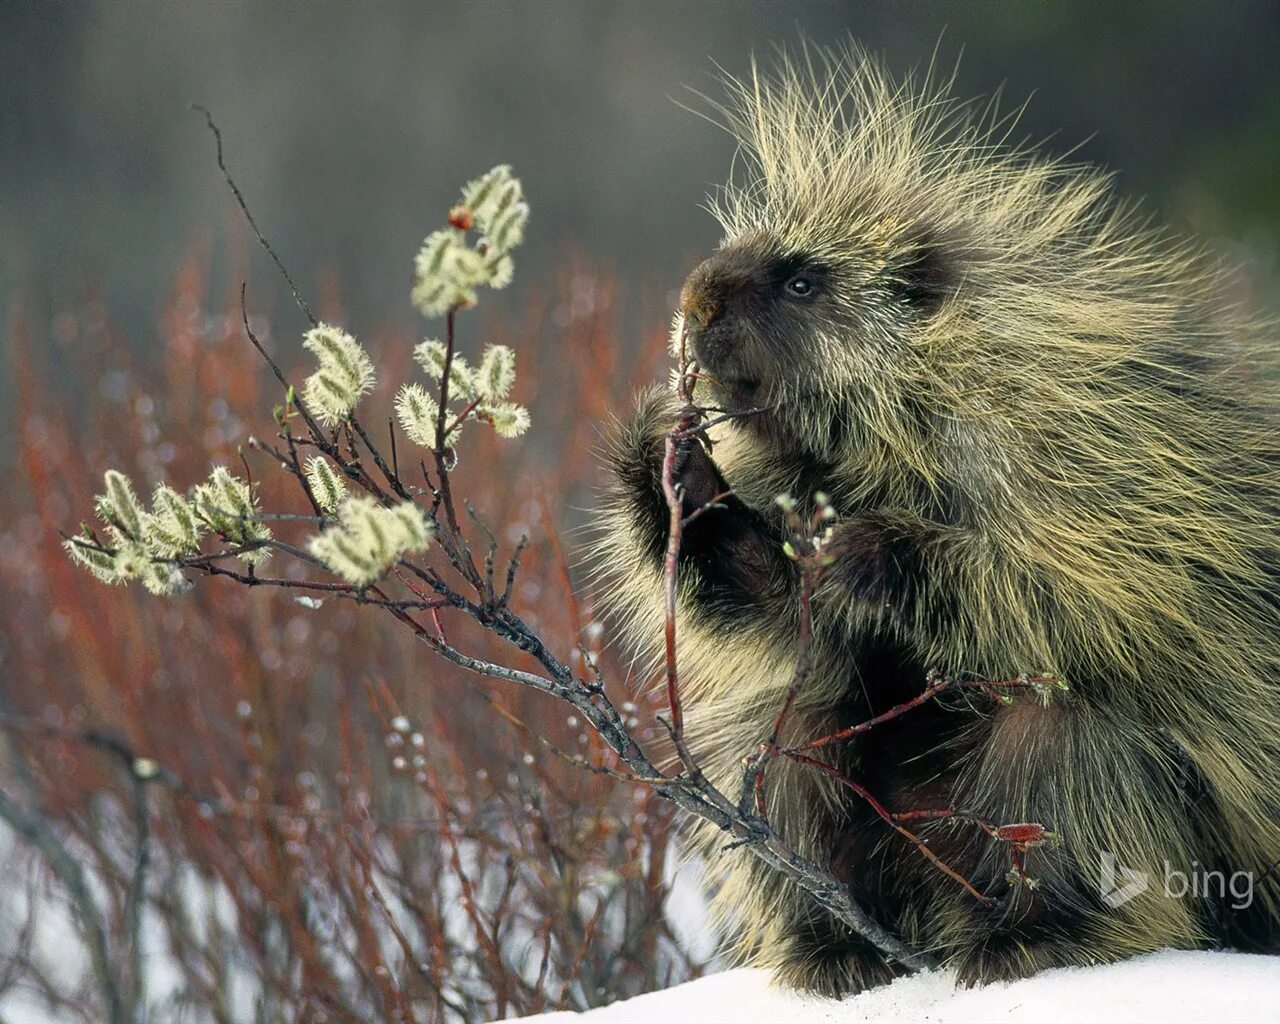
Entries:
{"x":834,"y":968}
{"x":639,"y":450}
{"x":635,"y":453}
{"x":696,"y":474}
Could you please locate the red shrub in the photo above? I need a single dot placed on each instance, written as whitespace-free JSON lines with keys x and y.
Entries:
{"x":306,"y":858}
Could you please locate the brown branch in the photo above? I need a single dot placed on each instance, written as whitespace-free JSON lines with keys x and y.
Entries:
{"x":390,"y":475}
{"x":312,"y":425}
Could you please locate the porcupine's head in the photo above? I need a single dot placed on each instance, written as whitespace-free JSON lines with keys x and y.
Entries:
{"x":844,"y":249}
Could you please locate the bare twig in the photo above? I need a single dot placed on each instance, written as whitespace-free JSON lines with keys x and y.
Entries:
{"x":248,"y":215}
{"x":936,"y":685}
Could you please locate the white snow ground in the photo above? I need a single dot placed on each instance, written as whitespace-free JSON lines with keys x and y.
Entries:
{"x":1169,"y":987}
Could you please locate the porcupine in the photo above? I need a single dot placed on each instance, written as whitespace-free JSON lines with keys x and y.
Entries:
{"x":1050,"y":442}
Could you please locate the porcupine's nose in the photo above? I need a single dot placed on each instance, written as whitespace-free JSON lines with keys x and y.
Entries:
{"x":699,"y":301}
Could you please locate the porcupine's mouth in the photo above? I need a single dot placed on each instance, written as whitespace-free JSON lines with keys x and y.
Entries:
{"x":738,"y":393}
{"x":720,"y":363}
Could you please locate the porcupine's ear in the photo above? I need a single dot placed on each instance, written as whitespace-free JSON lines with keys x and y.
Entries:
{"x":922,"y":275}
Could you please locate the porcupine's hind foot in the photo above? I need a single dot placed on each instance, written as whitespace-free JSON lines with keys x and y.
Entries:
{"x":833,"y":963}
{"x":1008,"y":956}
{"x":1071,"y":934}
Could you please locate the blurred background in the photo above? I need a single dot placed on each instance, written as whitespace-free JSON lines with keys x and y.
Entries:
{"x":303,"y":854}
{"x":349,"y":125}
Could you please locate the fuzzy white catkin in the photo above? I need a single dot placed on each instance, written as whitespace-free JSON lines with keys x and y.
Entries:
{"x":163,"y":579}
{"x":417,"y":412}
{"x":430,"y":355}
{"x":496,"y":199}
{"x":447,"y":272}
{"x":131,"y":560}
{"x":503,"y":269}
{"x":482,"y":388}
{"x":85,"y":553}
{"x":370,"y":538}
{"x":144,"y":544}
{"x":485,"y":196}
{"x":227,"y":505}
{"x":136,"y":536}
{"x":345,"y":373}
{"x":496,"y":374}
{"x":448,"y":269}
{"x":119,"y":507}
{"x":141,"y":541}
{"x":171,"y":528}
{"x":506,"y":231}
{"x":508,"y":419}
{"x":326,"y":486}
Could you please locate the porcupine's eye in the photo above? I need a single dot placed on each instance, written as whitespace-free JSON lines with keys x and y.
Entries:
{"x":800,"y":286}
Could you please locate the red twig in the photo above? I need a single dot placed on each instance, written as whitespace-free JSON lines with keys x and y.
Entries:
{"x":671,"y":565}
{"x":461,"y":417}
{"x":937,"y":686}
{"x":688,"y":421}
{"x":892,"y":821}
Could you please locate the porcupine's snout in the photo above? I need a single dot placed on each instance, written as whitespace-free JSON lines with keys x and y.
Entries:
{"x":699,"y":299}
{"x":714,"y":302}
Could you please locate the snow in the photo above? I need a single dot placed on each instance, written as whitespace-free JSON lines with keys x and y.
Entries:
{"x":1169,"y":987}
